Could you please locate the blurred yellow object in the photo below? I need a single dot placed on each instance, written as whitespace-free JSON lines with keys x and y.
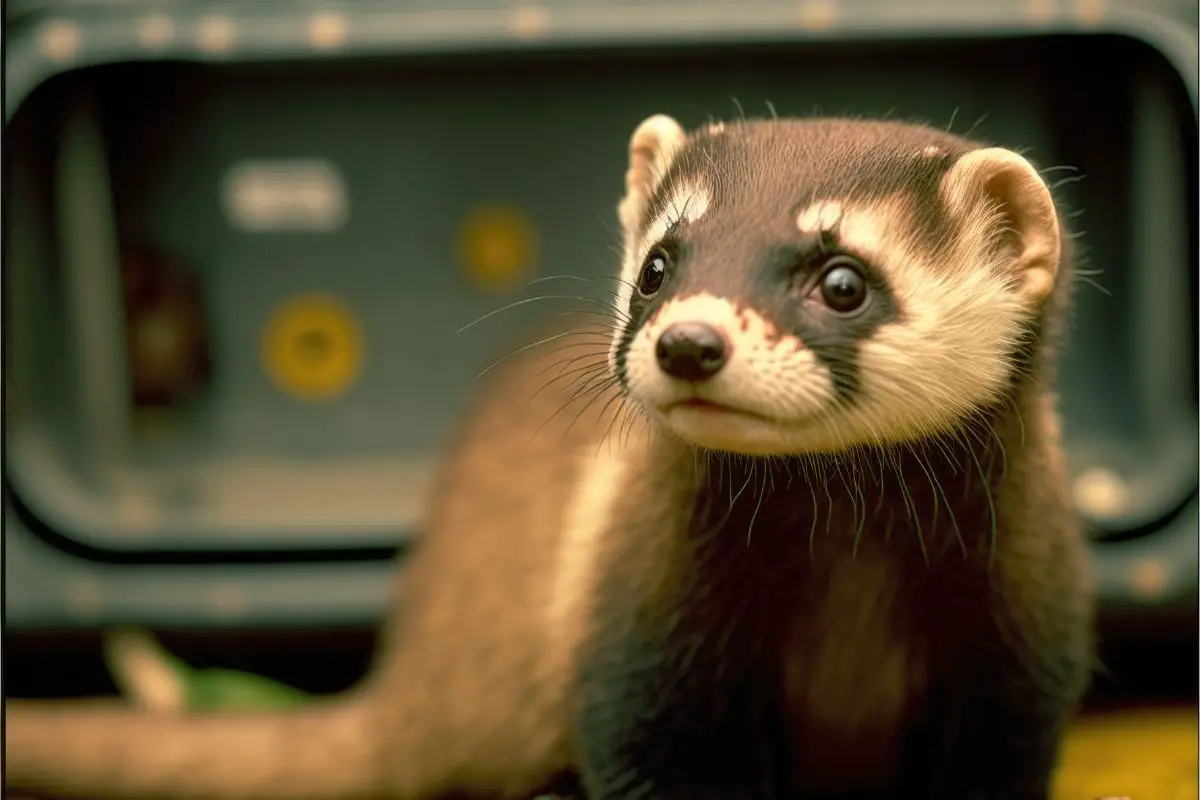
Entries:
{"x":312,"y":347}
{"x":1141,"y":754}
{"x":497,"y":246}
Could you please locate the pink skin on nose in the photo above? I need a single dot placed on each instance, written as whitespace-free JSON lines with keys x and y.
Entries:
{"x":770,"y":333}
{"x":746,"y":319}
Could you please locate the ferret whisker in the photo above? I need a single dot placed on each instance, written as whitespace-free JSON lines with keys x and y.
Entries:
{"x":762,"y":492}
{"x":826,"y":484}
{"x":611,"y":296}
{"x":1081,"y":278}
{"x":587,"y":370}
{"x":593,"y":389}
{"x":940,"y":491}
{"x":562,"y":364}
{"x":624,"y":409}
{"x":589,"y":379}
{"x":539,"y":298}
{"x":520,"y":350}
{"x":607,"y":329}
{"x":975,"y":125}
{"x":953,"y":116}
{"x":1067,"y":180}
{"x":1058,"y":168}
{"x":812,"y":530}
{"x":861,"y":502}
{"x":631,"y":420}
{"x":911,"y":506}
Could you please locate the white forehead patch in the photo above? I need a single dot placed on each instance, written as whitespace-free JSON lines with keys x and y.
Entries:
{"x":864,"y":232}
{"x":821,"y":216}
{"x":933,"y":151}
{"x":687,"y":202}
{"x":877,"y":233}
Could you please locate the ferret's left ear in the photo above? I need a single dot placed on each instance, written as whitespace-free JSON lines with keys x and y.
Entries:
{"x":1002,"y":187}
{"x":652,"y":148}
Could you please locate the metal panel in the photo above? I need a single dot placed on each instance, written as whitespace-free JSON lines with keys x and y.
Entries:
{"x":529,"y":107}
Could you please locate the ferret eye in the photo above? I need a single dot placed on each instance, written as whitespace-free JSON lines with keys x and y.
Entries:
{"x":843,"y":287}
{"x":654,"y":272}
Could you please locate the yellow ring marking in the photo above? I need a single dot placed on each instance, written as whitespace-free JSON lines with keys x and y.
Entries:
{"x":497,"y":247}
{"x":312,"y":347}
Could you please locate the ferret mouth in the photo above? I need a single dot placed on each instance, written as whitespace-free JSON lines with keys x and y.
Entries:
{"x":698,"y":405}
{"x":719,"y":426}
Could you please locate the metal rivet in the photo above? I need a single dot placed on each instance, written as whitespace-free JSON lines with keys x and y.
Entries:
{"x":818,"y":14}
{"x":85,"y":597}
{"x":530,"y":22}
{"x":216,"y":33}
{"x":1101,"y":492}
{"x":137,"y":515}
{"x":155,"y":31}
{"x":1039,"y":11}
{"x":60,"y":40}
{"x":327,"y":30}
{"x":228,"y":601}
{"x":1148,"y":578}
{"x":1090,"y":12}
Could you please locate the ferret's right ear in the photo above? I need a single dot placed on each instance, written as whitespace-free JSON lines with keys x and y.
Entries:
{"x":1003,"y":188}
{"x":652,"y":148}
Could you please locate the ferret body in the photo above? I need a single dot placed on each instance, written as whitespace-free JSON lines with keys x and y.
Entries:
{"x":805,"y":532}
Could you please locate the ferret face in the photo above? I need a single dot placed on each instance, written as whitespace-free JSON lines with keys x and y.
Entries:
{"x":792,"y":287}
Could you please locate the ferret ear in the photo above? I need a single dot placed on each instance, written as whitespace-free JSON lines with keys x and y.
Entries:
{"x":652,"y":148}
{"x":1002,"y":187}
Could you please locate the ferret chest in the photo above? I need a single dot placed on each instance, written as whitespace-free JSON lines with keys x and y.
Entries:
{"x":854,"y":670}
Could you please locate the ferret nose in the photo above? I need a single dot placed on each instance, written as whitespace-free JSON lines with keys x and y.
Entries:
{"x":691,"y":351}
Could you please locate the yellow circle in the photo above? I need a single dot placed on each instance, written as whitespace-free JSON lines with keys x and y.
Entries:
{"x":497,"y":246}
{"x":312,"y":347}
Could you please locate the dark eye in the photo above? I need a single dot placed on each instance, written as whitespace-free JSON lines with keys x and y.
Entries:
{"x":654,"y":272}
{"x":843,"y":287}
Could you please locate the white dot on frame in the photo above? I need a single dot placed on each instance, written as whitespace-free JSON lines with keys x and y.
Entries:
{"x":137,"y":515}
{"x":1090,"y":12}
{"x":85,"y":597}
{"x":1101,"y":492}
{"x":1039,"y":11}
{"x":530,"y":22}
{"x":818,"y":14}
{"x":216,"y":33}
{"x":155,"y":31}
{"x":60,"y":40}
{"x":228,"y":602}
{"x":1148,"y":579}
{"x":327,"y":30}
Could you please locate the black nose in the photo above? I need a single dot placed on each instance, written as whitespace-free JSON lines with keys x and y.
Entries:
{"x":691,"y":351}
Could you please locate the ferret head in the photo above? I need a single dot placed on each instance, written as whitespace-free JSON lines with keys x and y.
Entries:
{"x":804,"y":286}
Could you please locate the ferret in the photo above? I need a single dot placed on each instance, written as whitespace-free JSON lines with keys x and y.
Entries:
{"x":791,"y":522}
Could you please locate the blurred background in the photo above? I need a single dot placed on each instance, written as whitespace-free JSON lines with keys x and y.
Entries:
{"x":241,"y":239}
